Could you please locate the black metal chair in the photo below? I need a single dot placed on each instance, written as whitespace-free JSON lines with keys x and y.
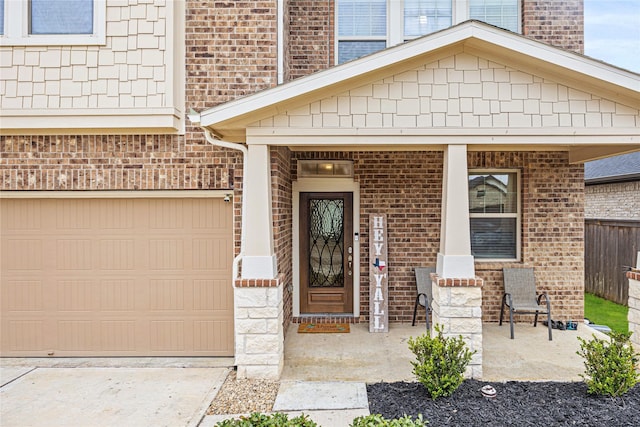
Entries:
{"x":423,"y":285}
{"x":521,"y":298}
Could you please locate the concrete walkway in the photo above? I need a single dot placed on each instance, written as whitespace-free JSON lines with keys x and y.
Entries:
{"x":76,"y":395}
{"x":325,"y":377}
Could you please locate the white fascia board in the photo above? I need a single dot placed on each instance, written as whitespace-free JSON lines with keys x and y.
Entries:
{"x":90,"y":121}
{"x":270,"y":98}
{"x":565,"y":59}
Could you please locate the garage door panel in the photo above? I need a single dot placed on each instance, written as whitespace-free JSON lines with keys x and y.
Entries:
{"x":166,"y":254}
{"x":21,"y":254}
{"x":117,"y":254}
{"x":92,"y":277}
{"x":117,"y":295}
{"x":73,"y":254}
{"x":77,"y":295}
{"x":22,"y":295}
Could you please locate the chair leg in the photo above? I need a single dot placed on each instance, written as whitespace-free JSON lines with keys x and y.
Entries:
{"x":511,"y":321}
{"x":549,"y":320}
{"x":426,"y":312}
{"x":415,"y":311}
{"x":502,"y":310}
{"x":535,"y":320}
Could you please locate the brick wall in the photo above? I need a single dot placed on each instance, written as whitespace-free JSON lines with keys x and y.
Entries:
{"x":558,"y":23}
{"x":231,"y":50}
{"x":617,"y":200}
{"x":311,"y":37}
{"x":552,"y":230}
{"x":282,"y":223}
{"x":407,"y":186}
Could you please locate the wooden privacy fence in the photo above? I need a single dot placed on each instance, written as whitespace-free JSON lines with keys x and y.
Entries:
{"x":609,"y":246}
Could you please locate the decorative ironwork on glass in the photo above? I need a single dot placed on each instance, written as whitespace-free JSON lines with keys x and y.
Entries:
{"x":326,"y":243}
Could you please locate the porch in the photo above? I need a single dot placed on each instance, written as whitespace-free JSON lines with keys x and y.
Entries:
{"x":363,"y":356}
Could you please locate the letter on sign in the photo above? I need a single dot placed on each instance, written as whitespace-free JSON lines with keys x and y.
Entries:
{"x":378,"y":274}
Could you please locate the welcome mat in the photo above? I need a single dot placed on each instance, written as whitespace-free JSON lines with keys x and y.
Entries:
{"x":323,"y":328}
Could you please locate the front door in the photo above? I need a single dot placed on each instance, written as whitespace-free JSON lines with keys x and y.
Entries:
{"x":326,"y":253}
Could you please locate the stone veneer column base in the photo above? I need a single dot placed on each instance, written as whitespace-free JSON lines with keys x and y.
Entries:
{"x":634,"y":308}
{"x":457,"y":306}
{"x":259,"y":333}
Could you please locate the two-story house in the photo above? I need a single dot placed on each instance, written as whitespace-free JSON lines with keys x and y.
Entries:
{"x":130,"y":229}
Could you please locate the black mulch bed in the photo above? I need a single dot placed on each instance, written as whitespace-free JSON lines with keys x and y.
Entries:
{"x":516,"y":404}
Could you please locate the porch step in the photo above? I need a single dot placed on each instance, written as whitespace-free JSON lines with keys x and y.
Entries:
{"x":320,"y":395}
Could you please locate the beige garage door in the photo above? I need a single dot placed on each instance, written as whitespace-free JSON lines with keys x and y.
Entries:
{"x":116,"y":277}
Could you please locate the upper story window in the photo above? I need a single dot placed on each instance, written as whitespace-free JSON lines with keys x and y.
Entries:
{"x":494,"y":214}
{"x":47,"y":22}
{"x":501,"y":13}
{"x":367,"y":26}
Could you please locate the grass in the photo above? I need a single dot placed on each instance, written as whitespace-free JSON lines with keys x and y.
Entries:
{"x":603,"y":312}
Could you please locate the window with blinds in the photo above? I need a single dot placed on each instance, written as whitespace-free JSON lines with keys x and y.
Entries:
{"x":494,"y":211}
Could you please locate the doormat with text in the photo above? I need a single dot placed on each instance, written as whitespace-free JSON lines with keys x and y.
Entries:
{"x":323,"y":328}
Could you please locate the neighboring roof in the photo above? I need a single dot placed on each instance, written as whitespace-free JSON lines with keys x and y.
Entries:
{"x":625,"y":167}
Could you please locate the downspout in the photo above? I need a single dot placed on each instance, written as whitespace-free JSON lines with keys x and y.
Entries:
{"x":194,"y":118}
{"x":214,"y":140}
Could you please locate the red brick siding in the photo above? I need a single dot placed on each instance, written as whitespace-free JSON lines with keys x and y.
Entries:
{"x":407,"y":186}
{"x":552,"y":230}
{"x":231,"y":49}
{"x":282,"y":224}
{"x":311,"y":37}
{"x":558,"y":23}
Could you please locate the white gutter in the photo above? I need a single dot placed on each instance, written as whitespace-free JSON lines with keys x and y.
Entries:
{"x":194,"y":117}
{"x":280,"y":41}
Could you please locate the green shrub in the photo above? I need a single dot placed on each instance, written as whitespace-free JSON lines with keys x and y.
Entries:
{"x":273,"y":420}
{"x":610,"y":364}
{"x":441,"y":362}
{"x":376,"y":420}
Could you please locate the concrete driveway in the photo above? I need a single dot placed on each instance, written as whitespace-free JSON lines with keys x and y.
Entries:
{"x":83,"y":392}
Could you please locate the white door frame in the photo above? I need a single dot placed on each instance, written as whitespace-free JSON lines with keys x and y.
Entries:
{"x":328,"y":185}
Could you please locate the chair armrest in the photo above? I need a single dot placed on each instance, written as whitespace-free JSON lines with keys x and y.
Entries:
{"x":546,"y":298}
{"x":426,"y":299}
{"x":506,"y":298}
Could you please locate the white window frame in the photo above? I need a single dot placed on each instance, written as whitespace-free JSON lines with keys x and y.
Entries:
{"x":517,"y":215}
{"x":395,"y":23}
{"x":16,"y":28}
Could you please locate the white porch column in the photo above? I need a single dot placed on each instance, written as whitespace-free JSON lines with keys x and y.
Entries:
{"x":454,"y":258}
{"x":259,"y":260}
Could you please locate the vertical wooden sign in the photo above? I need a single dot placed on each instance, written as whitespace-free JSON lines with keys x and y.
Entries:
{"x":378,"y":274}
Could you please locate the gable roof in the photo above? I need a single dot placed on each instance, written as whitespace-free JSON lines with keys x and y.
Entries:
{"x":229,"y":121}
{"x":625,"y":167}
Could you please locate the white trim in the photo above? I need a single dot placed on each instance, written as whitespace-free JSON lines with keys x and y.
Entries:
{"x":16,"y":29}
{"x":305,"y":185}
{"x":118,"y":194}
{"x":280,"y":41}
{"x":90,"y":121}
{"x":517,"y":215}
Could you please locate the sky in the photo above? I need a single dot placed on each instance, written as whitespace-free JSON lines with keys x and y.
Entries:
{"x":612,"y":32}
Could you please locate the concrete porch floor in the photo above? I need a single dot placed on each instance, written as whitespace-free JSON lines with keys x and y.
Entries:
{"x":363,"y":356}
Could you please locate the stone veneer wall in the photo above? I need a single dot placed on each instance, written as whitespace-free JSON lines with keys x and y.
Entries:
{"x":457,"y":309}
{"x":616,"y":200}
{"x":407,"y":186}
{"x":259,"y":314}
